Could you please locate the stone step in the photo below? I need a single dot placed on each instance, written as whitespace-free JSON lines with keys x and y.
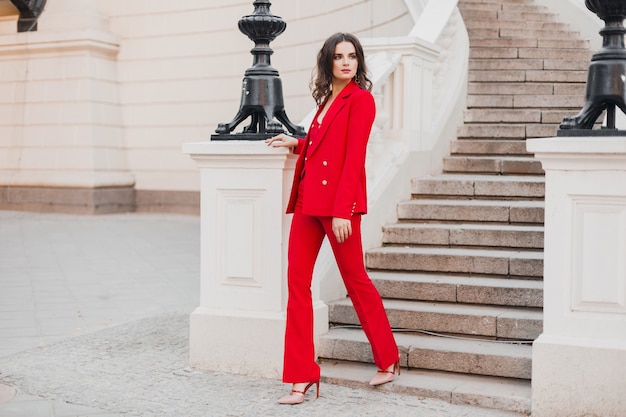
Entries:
{"x":524,"y":14}
{"x":459,"y":289}
{"x":479,"y":33}
{"x":543,"y":130}
{"x":469,"y":3}
{"x":507,"y":131}
{"x":533,"y":33}
{"x":563,"y":43}
{"x":494,"y":88}
{"x":503,"y":43}
{"x":496,"y":211}
{"x":536,"y":16}
{"x":517,"y":24}
{"x":570,"y":89}
{"x":528,"y":64}
{"x":476,"y":5}
{"x":493,"y":165}
{"x":467,"y":235}
{"x":450,"y":318}
{"x":513,"y":76}
{"x":492,"y":52}
{"x":505,"y":64}
{"x":566,"y":64}
{"x":546,"y":25}
{"x":501,"y":263}
{"x":502,"y":115}
{"x":511,"y":395}
{"x":530,"y":43}
{"x":488,"y":147}
{"x":490,"y":101}
{"x":508,"y":3}
{"x":557,"y":76}
{"x":555,"y":53}
{"x":564,"y":102}
{"x":479,"y":14}
{"x":461,"y":355}
{"x":502,"y":5}
{"x":480,"y":186}
{"x":489,"y":131}
{"x":549,"y":102}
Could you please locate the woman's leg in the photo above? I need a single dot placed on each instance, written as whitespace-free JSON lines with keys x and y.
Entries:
{"x":363,"y":294}
{"x":305,"y":239}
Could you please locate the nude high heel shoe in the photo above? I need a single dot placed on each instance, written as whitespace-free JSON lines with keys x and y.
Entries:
{"x":385,"y":376}
{"x":297,"y":397}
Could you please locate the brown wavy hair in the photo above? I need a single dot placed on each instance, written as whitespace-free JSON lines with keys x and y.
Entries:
{"x":323,"y":74}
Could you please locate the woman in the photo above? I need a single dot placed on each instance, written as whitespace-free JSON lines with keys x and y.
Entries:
{"x":328,"y":197}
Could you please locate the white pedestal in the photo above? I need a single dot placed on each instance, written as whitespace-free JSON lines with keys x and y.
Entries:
{"x":239,"y":325}
{"x":579,"y":362}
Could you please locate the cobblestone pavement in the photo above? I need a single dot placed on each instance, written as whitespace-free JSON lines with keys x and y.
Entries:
{"x":126,"y":353}
{"x":140,"y":369}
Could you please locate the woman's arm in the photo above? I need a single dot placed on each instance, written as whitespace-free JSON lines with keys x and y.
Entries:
{"x":284,"y":141}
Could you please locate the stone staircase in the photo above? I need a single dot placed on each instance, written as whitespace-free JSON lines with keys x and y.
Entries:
{"x":461,"y":271}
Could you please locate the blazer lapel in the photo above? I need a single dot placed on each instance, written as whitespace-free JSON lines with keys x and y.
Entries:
{"x":332,"y":112}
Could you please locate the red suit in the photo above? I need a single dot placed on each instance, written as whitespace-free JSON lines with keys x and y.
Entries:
{"x":330,"y":181}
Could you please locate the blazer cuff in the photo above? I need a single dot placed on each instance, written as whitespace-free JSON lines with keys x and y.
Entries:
{"x":299,"y":147}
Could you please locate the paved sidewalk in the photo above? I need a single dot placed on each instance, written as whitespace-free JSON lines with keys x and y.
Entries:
{"x":94,"y":322}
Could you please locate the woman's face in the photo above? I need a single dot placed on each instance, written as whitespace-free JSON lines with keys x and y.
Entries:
{"x":345,"y":62}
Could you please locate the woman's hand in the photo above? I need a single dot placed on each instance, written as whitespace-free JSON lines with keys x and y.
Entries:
{"x":342,"y":229}
{"x":282,"y":141}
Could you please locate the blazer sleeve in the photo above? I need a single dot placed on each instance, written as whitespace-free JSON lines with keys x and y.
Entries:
{"x":361,"y":118}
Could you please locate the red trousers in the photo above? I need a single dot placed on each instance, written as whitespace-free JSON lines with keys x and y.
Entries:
{"x":305,"y":239}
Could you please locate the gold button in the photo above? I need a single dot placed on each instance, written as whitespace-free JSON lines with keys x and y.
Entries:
{"x":310,"y":142}
{"x":324,"y":163}
{"x":324,"y":182}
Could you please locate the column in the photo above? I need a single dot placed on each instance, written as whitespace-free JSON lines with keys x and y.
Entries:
{"x":579,"y":360}
{"x":239,"y":326}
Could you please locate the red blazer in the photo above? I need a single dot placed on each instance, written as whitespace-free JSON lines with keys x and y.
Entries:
{"x":335,"y":183}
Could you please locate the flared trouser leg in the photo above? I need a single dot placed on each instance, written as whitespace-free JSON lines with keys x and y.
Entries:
{"x":305,"y":239}
{"x":364,"y":295}
{"x":306,"y":236}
